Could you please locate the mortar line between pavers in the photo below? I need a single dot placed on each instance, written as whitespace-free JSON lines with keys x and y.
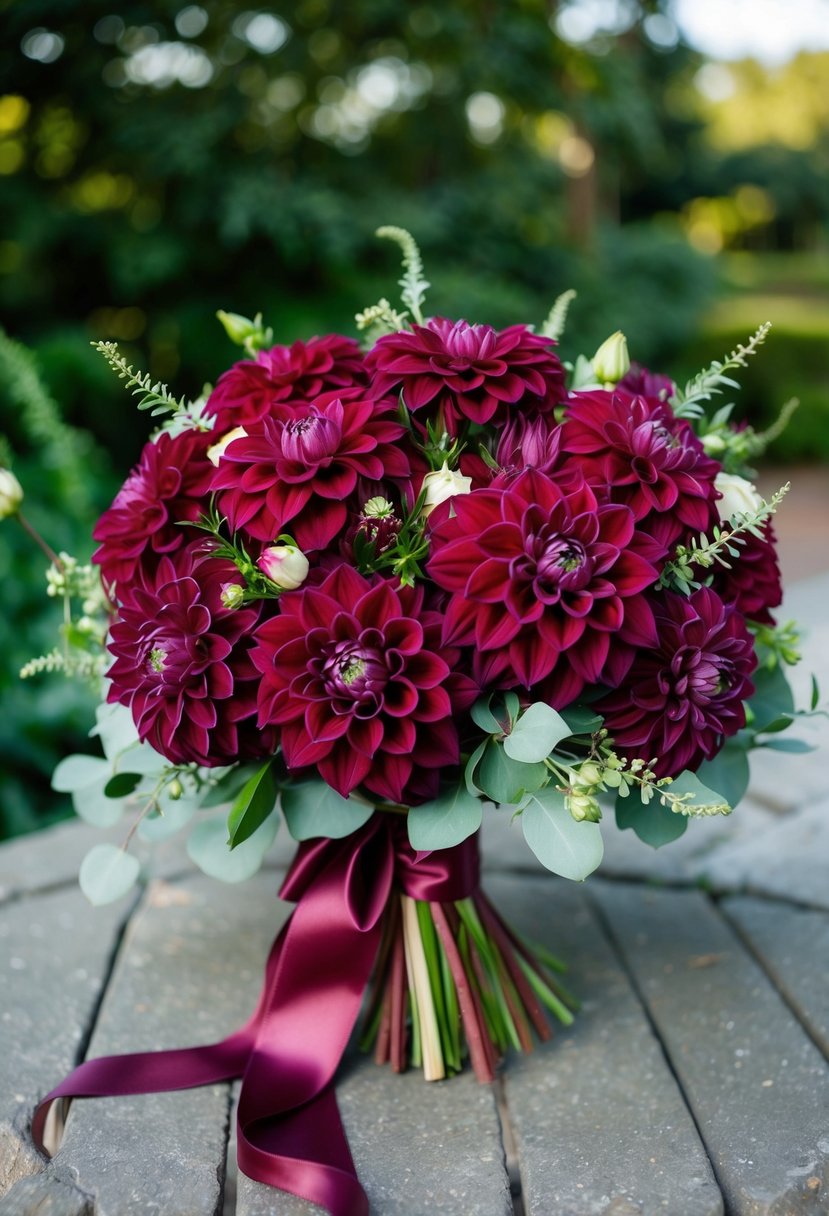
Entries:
{"x":224,"y":1165}
{"x":50,"y":888}
{"x":618,"y":951}
{"x":509,"y":1144}
{"x":135,"y":905}
{"x":770,"y":974}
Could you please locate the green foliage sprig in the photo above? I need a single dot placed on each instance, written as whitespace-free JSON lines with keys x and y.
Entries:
{"x":155,"y":397}
{"x":687,"y":402}
{"x":377,"y":320}
{"x":413,"y":284}
{"x":82,"y":652}
{"x":556,"y":320}
{"x":679,"y":574}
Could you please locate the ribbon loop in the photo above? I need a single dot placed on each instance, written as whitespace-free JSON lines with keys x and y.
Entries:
{"x":290,"y":1132}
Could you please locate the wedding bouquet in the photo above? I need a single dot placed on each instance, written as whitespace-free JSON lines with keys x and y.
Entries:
{"x":377,"y":589}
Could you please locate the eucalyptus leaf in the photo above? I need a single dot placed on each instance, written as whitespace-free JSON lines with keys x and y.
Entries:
{"x":313,"y":808}
{"x":229,"y":785}
{"x":107,"y":873}
{"x":772,"y":697}
{"x":564,"y":846}
{"x":174,"y":815}
{"x":122,"y":785}
{"x":701,"y":796}
{"x":727,"y":772}
{"x":207,"y":846}
{"x":654,"y":824}
{"x":505,"y":780}
{"x":92,"y":805}
{"x":471,"y":765}
{"x":251,"y":806}
{"x":115,"y":727}
{"x":536,"y":733}
{"x":484,"y":718}
{"x":582,"y":720}
{"x":80,"y":772}
{"x":446,"y":821}
{"x":797,"y":747}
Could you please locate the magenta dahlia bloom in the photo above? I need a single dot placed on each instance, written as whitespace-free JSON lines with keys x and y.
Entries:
{"x":543,"y":579}
{"x":529,"y":443}
{"x":167,"y":486}
{"x":251,"y":389}
{"x":752,"y":584}
{"x":460,"y":372}
{"x":182,"y":662}
{"x":639,"y":381}
{"x":354,"y":674}
{"x":644,"y":457}
{"x":683,"y":697}
{"x":296,"y":472}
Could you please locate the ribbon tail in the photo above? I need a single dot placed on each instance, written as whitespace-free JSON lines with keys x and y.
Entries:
{"x":290,"y":1152}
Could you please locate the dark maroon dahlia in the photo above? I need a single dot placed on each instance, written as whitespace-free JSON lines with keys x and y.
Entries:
{"x":543,"y":579}
{"x":639,"y":381}
{"x":354,"y":675}
{"x":251,"y":389}
{"x":683,"y":697}
{"x":182,"y":662}
{"x":752,"y":584}
{"x":298,"y":471}
{"x":167,"y":486}
{"x":641,"y":455}
{"x":453,"y":372}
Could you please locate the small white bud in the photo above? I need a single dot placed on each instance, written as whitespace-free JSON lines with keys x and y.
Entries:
{"x":441,"y":484}
{"x":739,"y":497}
{"x":232,"y":595}
{"x":612,"y":361}
{"x":713,"y":444}
{"x":217,"y":450}
{"x":284,"y":565}
{"x":11,"y":494}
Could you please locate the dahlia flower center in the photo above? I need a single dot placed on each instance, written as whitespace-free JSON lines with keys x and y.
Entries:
{"x":557,"y":557}
{"x":157,"y":659}
{"x":311,"y":440}
{"x":354,"y":671}
{"x":464,"y":343}
{"x":698,"y":676}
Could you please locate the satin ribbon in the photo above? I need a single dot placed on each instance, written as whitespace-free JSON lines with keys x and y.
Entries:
{"x":290,"y":1134}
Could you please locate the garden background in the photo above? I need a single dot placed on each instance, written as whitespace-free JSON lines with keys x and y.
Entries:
{"x":159,"y":161}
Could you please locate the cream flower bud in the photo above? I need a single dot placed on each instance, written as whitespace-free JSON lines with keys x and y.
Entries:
{"x":284,"y":565}
{"x":441,"y":484}
{"x":232,"y":595}
{"x":713,"y":444}
{"x":739,"y":497}
{"x":11,"y":494}
{"x":612,"y":361}
{"x":217,"y":450}
{"x":237,"y":327}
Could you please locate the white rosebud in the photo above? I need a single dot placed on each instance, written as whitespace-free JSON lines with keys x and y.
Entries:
{"x":739,"y":497}
{"x":611,"y":361}
{"x":217,"y":450}
{"x":284,"y":565}
{"x":11,"y":494}
{"x":441,"y":484}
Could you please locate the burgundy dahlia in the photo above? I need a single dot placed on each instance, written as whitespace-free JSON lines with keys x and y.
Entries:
{"x":457,"y":371}
{"x":354,"y":674}
{"x":644,"y":457}
{"x":752,"y":584}
{"x":182,"y":662}
{"x":683,"y":697}
{"x":251,"y":389}
{"x":639,"y":381}
{"x":296,"y":472}
{"x":167,"y":486}
{"x":529,"y":443}
{"x":543,"y":579}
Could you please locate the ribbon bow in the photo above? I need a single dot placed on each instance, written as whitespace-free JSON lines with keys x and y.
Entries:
{"x":290,"y":1134}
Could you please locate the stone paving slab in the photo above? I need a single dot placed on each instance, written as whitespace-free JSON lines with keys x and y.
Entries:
{"x":792,"y":945}
{"x":55,"y":956}
{"x":600,"y":1123}
{"x":418,"y":1147}
{"x":757,"y":1085}
{"x":164,"y":1153}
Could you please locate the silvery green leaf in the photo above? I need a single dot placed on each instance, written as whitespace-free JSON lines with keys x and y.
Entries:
{"x":80,"y":772}
{"x":653,"y":824}
{"x":208,"y":848}
{"x":728,"y":772}
{"x":564,"y":846}
{"x":313,"y":808}
{"x":446,"y":821}
{"x":471,"y":765}
{"x":505,"y":780}
{"x":536,"y":733}
{"x":175,"y":814}
{"x":92,"y":805}
{"x":115,"y":728}
{"x":107,"y":873}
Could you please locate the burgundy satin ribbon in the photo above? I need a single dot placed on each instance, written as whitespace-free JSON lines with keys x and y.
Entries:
{"x":290,"y":1134}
